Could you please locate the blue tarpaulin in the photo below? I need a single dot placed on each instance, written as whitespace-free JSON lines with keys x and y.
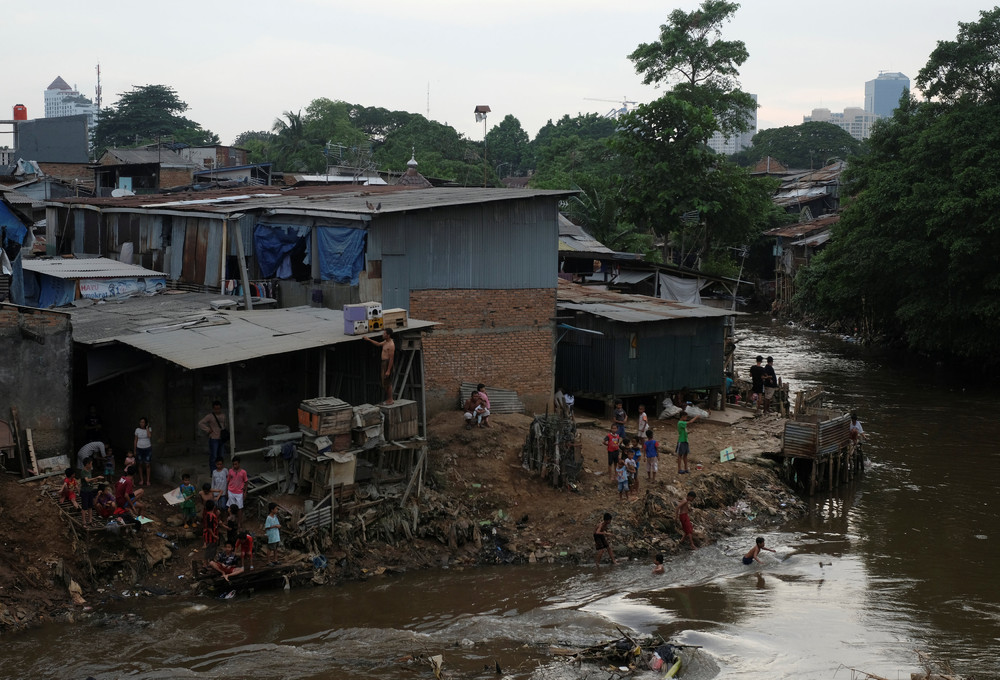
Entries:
{"x":272,"y":242}
{"x":341,"y":250}
{"x":341,"y":254}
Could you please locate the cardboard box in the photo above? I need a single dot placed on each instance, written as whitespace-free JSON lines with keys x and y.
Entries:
{"x":394,"y":318}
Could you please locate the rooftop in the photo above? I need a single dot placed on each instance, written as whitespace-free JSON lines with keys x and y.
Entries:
{"x":87,"y":268}
{"x":341,"y":199}
{"x":186,"y":330}
{"x":629,"y":308}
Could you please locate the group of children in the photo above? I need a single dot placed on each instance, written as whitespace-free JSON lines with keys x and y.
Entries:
{"x":625,"y":455}
{"x":89,"y":492}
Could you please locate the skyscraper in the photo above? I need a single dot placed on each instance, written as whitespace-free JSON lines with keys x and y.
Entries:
{"x":730,"y":145}
{"x":63,"y":100}
{"x":882,"y":94}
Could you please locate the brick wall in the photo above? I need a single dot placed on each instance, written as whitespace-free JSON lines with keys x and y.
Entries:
{"x":175,"y":177}
{"x":69,"y":171}
{"x":503,"y":338}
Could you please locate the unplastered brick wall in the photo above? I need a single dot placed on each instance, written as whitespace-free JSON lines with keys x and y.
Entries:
{"x":503,"y":338}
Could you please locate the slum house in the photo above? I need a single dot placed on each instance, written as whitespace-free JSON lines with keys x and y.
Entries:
{"x":812,"y":193}
{"x":480,"y":262}
{"x":167,"y":357}
{"x":142,"y":171}
{"x":794,"y":246}
{"x":629,"y":346}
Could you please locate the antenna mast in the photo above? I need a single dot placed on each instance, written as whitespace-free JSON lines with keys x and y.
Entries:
{"x":98,"y":91}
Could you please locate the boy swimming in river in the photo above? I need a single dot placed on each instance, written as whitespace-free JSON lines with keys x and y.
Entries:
{"x":658,"y":564}
{"x":751,"y":556}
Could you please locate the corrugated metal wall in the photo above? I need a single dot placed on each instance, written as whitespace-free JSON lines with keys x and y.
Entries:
{"x":489,"y":246}
{"x":670,"y":355}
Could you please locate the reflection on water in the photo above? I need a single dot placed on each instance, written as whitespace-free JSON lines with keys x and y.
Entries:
{"x":903,"y":559}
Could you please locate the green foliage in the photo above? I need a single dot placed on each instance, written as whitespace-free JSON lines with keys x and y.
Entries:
{"x":704,"y":67}
{"x":917,"y":254}
{"x":296,"y":148}
{"x":598,"y":208}
{"x":966,"y":68}
{"x":809,"y":145}
{"x":144,"y":115}
{"x":506,"y":145}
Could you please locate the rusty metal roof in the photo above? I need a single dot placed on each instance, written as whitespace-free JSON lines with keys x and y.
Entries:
{"x":804,"y":228}
{"x":629,"y":308}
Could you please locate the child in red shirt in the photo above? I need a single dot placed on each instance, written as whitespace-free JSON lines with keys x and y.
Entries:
{"x":244,"y":546}
{"x":70,"y":488}
{"x":210,"y":530}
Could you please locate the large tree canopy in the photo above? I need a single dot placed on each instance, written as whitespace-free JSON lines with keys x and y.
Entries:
{"x":916,"y":255}
{"x":143,"y":115}
{"x":809,"y":145}
{"x":967,"y":67}
{"x":702,"y":66}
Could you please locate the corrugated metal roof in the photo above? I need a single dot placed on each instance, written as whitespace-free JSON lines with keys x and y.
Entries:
{"x":575,"y":238}
{"x":813,"y":240}
{"x":339,"y":199}
{"x":163,"y":157}
{"x":184,"y":329}
{"x":629,"y":308}
{"x":801,"y":229}
{"x":88,"y":268}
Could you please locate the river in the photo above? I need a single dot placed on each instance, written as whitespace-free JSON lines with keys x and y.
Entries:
{"x":905,"y":559}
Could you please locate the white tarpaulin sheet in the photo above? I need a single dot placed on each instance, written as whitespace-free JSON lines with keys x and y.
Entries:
{"x":685,"y":291}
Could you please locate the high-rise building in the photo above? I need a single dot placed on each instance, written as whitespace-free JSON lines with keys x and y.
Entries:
{"x":856,"y":122}
{"x":730,"y":145}
{"x":882,"y":94}
{"x":63,"y":100}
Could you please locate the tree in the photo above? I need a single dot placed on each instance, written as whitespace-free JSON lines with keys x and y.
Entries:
{"x":294,"y":149}
{"x":916,"y":255}
{"x":565,"y":153}
{"x":145,"y":114}
{"x":966,"y":68}
{"x":691,"y":52}
{"x":506,"y":144}
{"x":599,"y":209}
{"x":809,"y":145}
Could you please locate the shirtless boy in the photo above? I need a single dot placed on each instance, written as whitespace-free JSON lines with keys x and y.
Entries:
{"x":751,"y":556}
{"x":388,"y":357}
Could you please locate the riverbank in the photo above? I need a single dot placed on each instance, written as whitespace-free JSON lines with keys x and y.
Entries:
{"x":479,"y":507}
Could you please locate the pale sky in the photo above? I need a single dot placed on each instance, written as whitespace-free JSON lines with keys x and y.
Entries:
{"x":240,"y":65}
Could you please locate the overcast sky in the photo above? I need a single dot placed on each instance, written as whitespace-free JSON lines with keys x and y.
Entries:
{"x":239,"y":66}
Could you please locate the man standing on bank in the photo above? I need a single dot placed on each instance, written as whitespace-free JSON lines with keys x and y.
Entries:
{"x":388,"y":357}
{"x":757,"y":384}
{"x":770,"y":383}
{"x":214,"y":424}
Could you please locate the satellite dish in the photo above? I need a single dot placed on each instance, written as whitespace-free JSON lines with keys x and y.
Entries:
{"x":119,"y":193}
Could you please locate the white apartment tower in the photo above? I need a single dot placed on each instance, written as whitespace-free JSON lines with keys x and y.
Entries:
{"x":63,"y":100}
{"x":727,"y":146}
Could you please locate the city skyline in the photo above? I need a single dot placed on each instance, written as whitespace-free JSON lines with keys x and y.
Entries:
{"x":536,"y":61}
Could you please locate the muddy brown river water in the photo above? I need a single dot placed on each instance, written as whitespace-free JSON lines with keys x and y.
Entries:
{"x":905,"y":559}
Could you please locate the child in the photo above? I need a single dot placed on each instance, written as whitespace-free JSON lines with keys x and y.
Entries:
{"x":244,"y":547}
{"x":272,"y":527}
{"x":652,"y":454}
{"x":210,"y":530}
{"x":220,"y":477}
{"x":126,"y":495}
{"x":225,"y":563}
{"x":658,"y":564}
{"x":105,"y":502}
{"x":632,"y":470}
{"x":637,"y":461}
{"x":88,"y":491}
{"x":682,"y":443}
{"x":643,"y":421}
{"x":187,"y":505}
{"x":129,"y":460}
{"x":70,"y":488}
{"x":601,"y":534}
{"x":684,"y":517}
{"x":613,"y":442}
{"x":621,"y":476}
{"x":109,"y":463}
{"x":570,"y":400}
{"x":232,"y":524}
{"x":206,"y":495}
{"x":751,"y":556}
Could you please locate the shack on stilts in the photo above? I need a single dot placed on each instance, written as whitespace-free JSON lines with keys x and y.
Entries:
{"x":816,"y":447}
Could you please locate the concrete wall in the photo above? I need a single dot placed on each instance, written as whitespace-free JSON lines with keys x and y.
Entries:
{"x":503,"y":338}
{"x":36,"y":375}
